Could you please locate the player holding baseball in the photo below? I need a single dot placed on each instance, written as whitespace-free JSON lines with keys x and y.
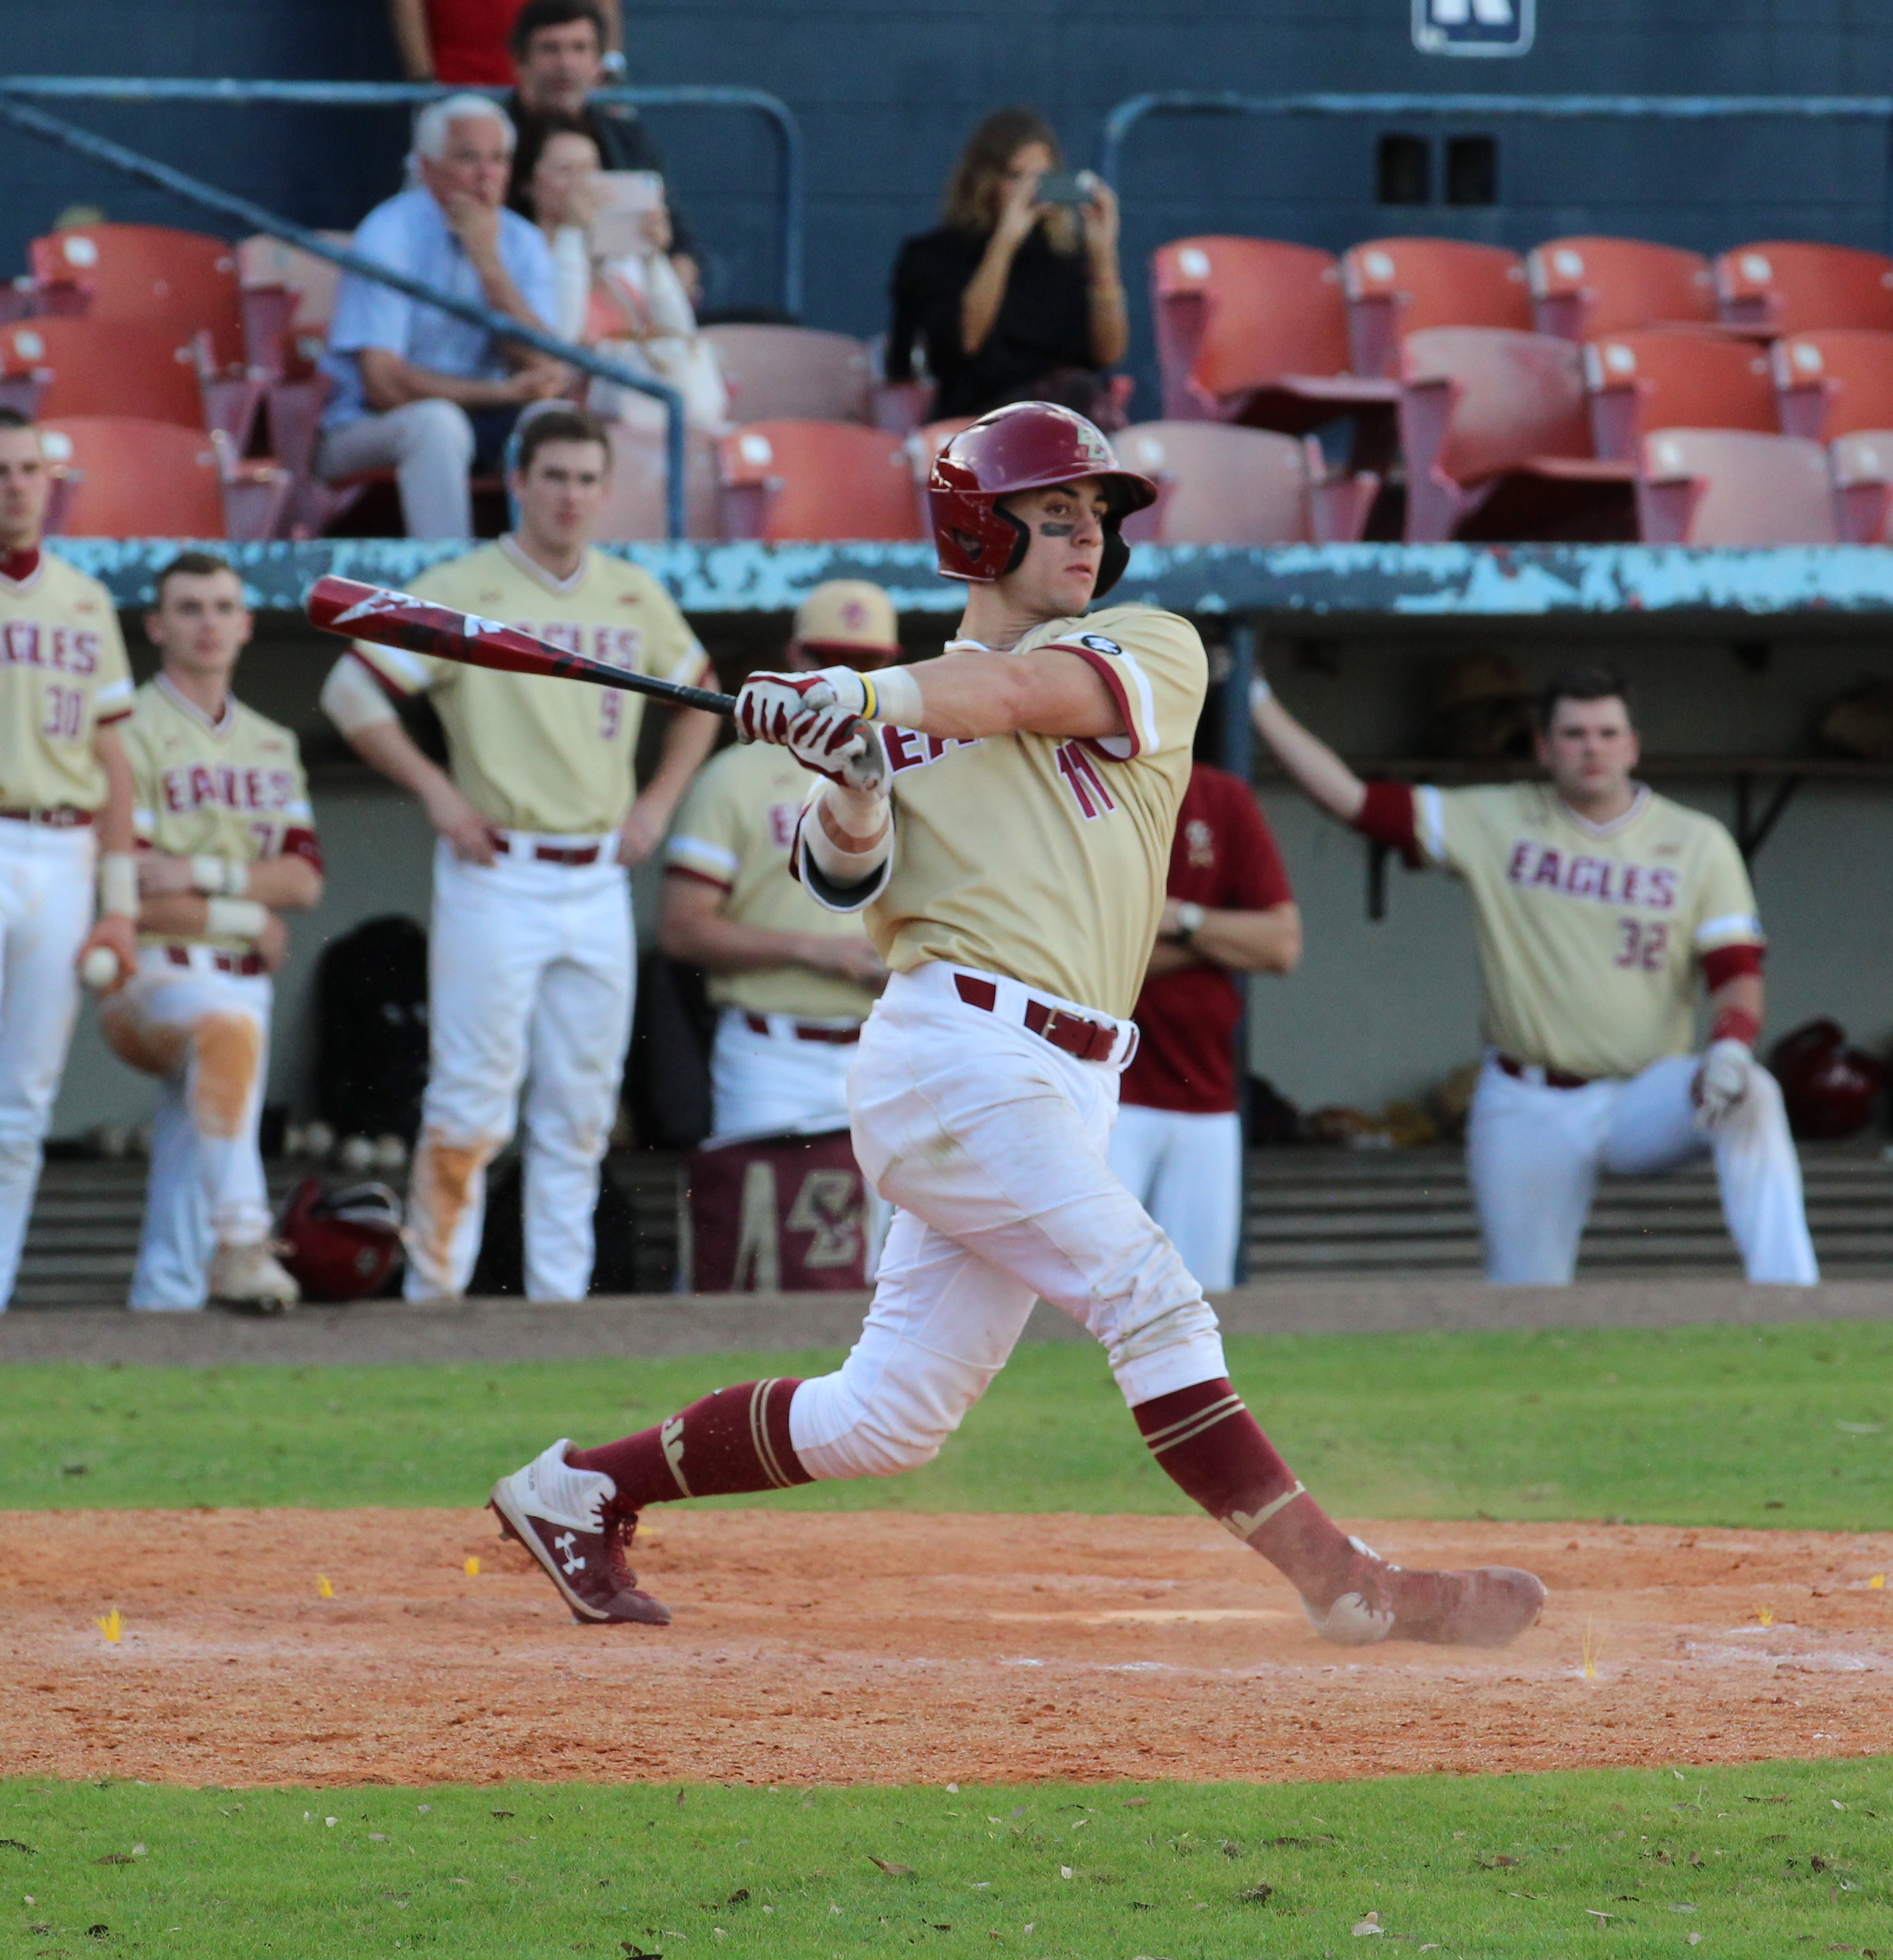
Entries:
{"x":1177,"y":1145}
{"x":532,"y":960}
{"x":65,"y":817}
{"x":1007,"y":834}
{"x":229,"y":841}
{"x":1597,"y":903}
{"x":792,"y":980}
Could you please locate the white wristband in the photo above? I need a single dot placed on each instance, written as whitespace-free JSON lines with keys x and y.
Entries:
{"x":1259,"y":691}
{"x":219,"y":876}
{"x":893,"y":695}
{"x":236,"y":918}
{"x":118,"y":884}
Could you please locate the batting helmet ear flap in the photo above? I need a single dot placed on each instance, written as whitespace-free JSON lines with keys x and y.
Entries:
{"x":1117,"y":555}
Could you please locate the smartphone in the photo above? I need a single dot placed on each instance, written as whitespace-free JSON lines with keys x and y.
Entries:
{"x":1072,"y":189}
{"x":630,"y":196}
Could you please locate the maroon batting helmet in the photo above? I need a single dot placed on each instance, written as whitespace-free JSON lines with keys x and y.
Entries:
{"x":341,"y":1245}
{"x":1027,"y":445}
{"x":1829,"y":1088}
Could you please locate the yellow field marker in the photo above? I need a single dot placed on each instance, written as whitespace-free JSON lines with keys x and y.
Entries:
{"x":1592,"y":1651}
{"x":323,"y":1589}
{"x":1878,"y":1582}
{"x":1764,"y":1616}
{"x":472,"y":1568}
{"x":111,"y":1626}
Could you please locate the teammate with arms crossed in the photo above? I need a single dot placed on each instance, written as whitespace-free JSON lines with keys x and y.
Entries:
{"x":223,"y":813}
{"x":1178,"y":1145}
{"x":793,"y":980}
{"x":532,"y":962}
{"x":66,"y":816}
{"x":1007,"y":834}
{"x":1596,"y":904}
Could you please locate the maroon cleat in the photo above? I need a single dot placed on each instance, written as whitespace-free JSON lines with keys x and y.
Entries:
{"x":1487,"y":1607}
{"x":559,"y":1514}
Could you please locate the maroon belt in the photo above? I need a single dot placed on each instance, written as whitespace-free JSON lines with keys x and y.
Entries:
{"x":61,"y":816}
{"x":758,"y":1024}
{"x":558,"y":854}
{"x":1072,"y":1034}
{"x":245,"y":963}
{"x":1555,"y":1078}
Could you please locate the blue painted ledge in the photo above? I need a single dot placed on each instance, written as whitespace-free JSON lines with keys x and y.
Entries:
{"x":1411,"y":581}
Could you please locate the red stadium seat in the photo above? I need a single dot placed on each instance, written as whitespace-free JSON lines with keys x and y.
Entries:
{"x":1732,"y":487}
{"x":1655,"y":380}
{"x":1785,"y":287}
{"x":786,"y":481}
{"x":1582,"y":287}
{"x":129,"y":478}
{"x":636,"y":508}
{"x":1399,"y":286}
{"x":1830,"y":383}
{"x":1218,"y":485}
{"x":287,"y":296}
{"x":794,"y":374}
{"x":87,"y":367}
{"x":1497,"y":442}
{"x":1862,"y":467}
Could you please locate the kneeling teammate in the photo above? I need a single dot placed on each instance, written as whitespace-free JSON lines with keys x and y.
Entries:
{"x":1007,"y":834}
{"x":1596,"y":904}
{"x":223,"y":810}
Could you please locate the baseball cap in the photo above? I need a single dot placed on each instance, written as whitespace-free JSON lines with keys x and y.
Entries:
{"x":850,"y":620}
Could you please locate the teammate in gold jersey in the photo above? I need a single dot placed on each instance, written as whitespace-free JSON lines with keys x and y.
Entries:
{"x":532,"y":962}
{"x":65,"y":815}
{"x":1597,"y":905}
{"x":1007,"y":825}
{"x":230,"y":842}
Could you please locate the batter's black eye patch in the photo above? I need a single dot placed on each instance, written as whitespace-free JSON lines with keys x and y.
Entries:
{"x":1053,"y":530}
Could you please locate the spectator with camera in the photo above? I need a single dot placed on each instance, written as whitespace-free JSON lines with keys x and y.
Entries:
{"x":414,"y":390}
{"x":1017,"y":295}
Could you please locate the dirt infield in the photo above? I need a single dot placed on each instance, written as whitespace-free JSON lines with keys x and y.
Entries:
{"x":831,"y":1647}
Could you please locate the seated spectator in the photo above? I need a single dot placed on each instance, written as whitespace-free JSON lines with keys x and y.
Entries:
{"x":463,"y":42}
{"x":1013,"y":300}
{"x":415,"y":390}
{"x":558,"y":56}
{"x":630,"y":305}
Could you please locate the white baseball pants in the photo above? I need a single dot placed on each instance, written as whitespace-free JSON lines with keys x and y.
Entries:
{"x":991,"y":1142}
{"x":205,"y":1035}
{"x":46,"y":911}
{"x":1535,"y":1154}
{"x":1185,"y":1168}
{"x":774,"y":1084}
{"x":531,"y":970}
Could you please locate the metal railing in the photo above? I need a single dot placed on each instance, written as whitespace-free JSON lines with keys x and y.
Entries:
{"x":148,"y":170}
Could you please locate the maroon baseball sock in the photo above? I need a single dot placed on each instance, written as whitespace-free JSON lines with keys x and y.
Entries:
{"x":1205,"y":1439}
{"x":734,"y":1440}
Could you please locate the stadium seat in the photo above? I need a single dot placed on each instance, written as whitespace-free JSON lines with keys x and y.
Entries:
{"x":784,"y":481}
{"x":1862,"y":467}
{"x":1497,"y":442}
{"x":635,"y":508}
{"x":1251,"y":330}
{"x":1582,"y":287}
{"x":1654,"y":380}
{"x":1399,"y":286}
{"x":794,"y":374}
{"x":1787,"y":288}
{"x":54,"y":367}
{"x":287,"y":296}
{"x":1833,"y":382}
{"x":1733,"y":487}
{"x":1217,"y":485}
{"x":127,"y":477}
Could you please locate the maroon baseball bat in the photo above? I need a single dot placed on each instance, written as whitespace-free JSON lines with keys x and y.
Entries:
{"x":390,"y":619}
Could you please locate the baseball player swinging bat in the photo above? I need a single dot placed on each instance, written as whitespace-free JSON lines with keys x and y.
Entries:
{"x":358,"y":612}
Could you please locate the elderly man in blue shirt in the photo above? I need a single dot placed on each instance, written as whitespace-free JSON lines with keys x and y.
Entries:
{"x":416,"y":390}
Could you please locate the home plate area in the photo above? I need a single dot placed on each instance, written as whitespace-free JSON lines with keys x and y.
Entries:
{"x":357,"y":1646}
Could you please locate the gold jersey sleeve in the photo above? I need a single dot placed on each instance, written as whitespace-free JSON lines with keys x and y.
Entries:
{"x":63,"y":673}
{"x":1045,"y":859}
{"x":233,"y":788}
{"x":734,"y":832}
{"x":530,"y":753}
{"x":1590,"y":935}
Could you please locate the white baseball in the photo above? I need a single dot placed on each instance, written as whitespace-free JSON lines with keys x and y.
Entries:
{"x":100,"y":969}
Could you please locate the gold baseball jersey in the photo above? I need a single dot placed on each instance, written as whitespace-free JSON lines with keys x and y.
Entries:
{"x":1589,"y":934}
{"x":232,"y":788}
{"x":528,"y":752}
{"x":1045,"y":859}
{"x":63,"y":673}
{"x":734,"y":831}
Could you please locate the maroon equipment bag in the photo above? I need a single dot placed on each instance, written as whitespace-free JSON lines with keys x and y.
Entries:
{"x":778,"y":1215}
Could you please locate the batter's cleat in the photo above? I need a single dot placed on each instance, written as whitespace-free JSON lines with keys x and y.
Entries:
{"x":248,"y":1276}
{"x":559,"y":1514}
{"x":1487,"y":1607}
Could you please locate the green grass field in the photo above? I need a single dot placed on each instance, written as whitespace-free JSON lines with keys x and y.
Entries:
{"x":1790,"y":1426}
{"x":1743,"y":1864}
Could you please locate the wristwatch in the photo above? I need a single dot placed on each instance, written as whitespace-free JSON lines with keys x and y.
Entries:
{"x":1190,"y":918}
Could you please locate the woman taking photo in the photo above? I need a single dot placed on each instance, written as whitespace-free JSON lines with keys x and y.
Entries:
{"x":1013,"y":298}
